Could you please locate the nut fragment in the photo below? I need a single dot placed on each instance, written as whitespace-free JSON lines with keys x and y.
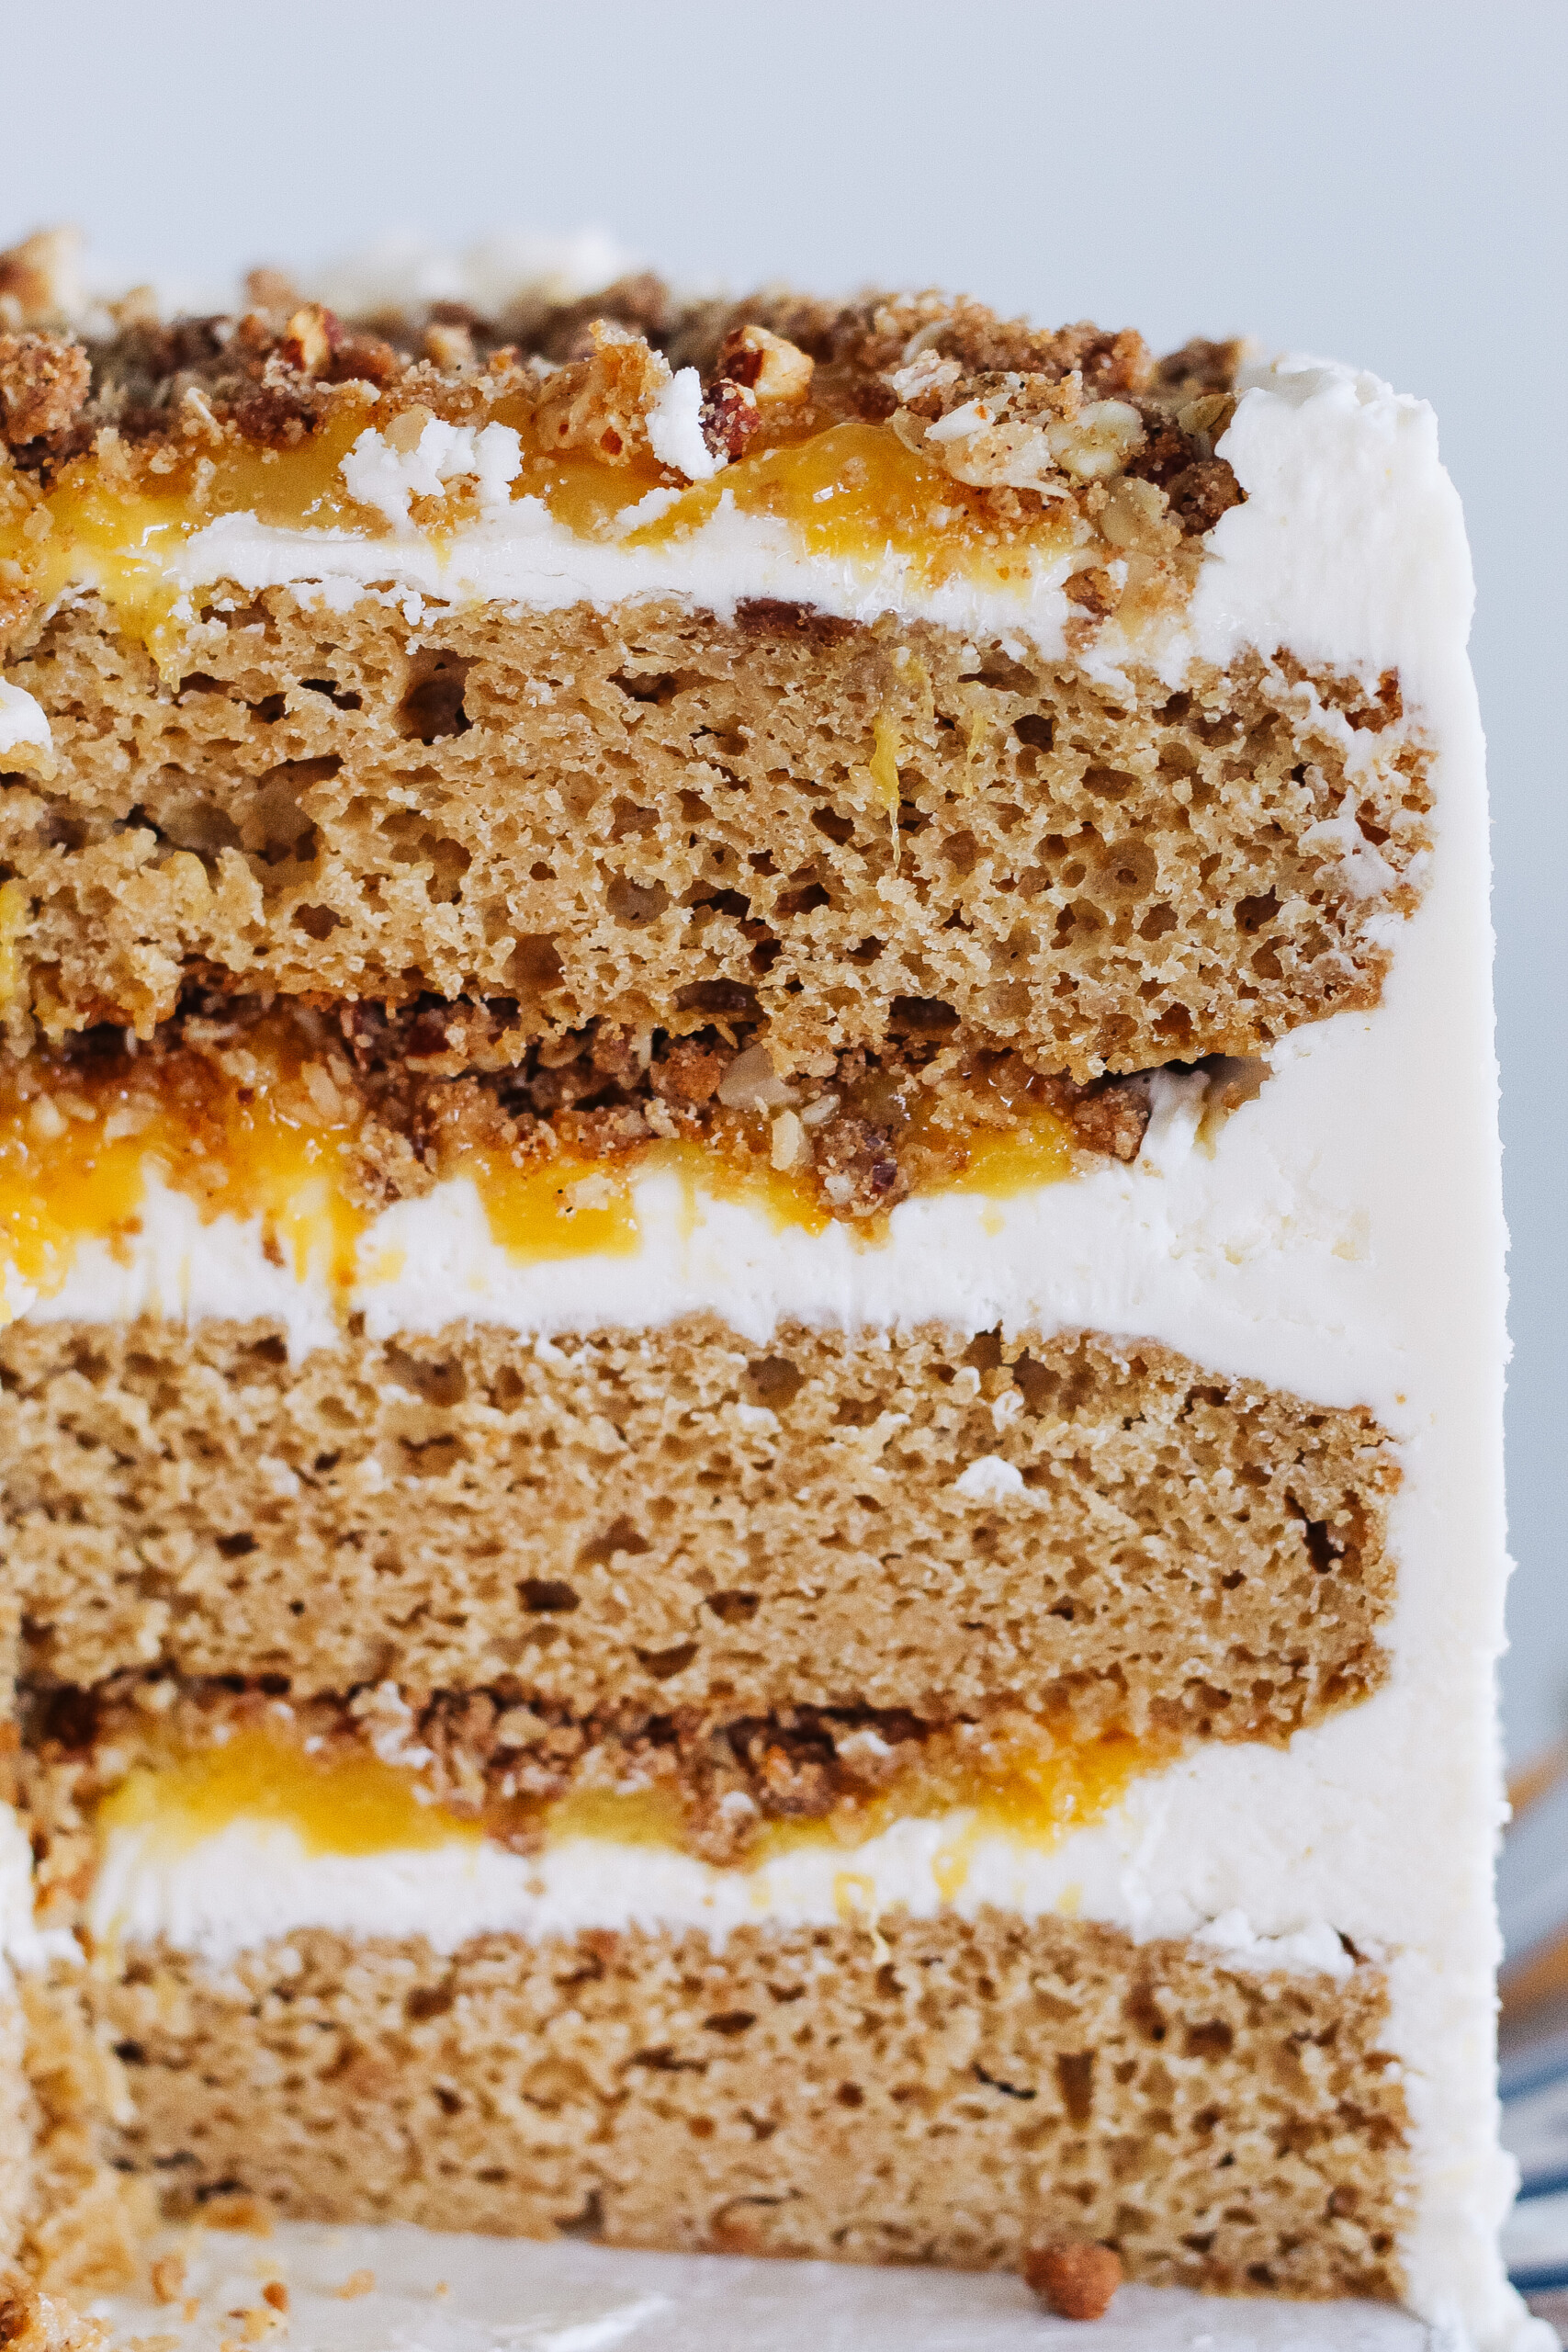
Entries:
{"x":272,"y":289}
{"x":311,"y":336}
{"x":450,"y":344}
{"x":39,"y":282}
{"x":43,"y":383}
{"x":728,"y":417}
{"x":1076,"y":2282}
{"x":765,"y":364}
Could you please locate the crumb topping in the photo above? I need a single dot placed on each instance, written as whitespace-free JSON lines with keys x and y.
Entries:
{"x":1074,"y":433}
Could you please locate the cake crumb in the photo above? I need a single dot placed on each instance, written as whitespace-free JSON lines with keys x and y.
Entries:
{"x":190,"y":2308}
{"x":1076,"y":2282}
{"x":441,"y":2290}
{"x":31,"y":2321}
{"x":237,"y":2209}
{"x":359,"y":2283}
{"x":276,"y":2293}
{"x":152,"y":2344}
{"x":168,"y":2278}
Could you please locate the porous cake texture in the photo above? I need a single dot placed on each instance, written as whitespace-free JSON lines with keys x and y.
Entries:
{"x":748,"y":1227}
{"x":957,"y":839}
{"x":663,"y":1521}
{"x":970,"y":2084}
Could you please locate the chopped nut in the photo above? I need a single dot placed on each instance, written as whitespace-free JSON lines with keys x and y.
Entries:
{"x":168,"y":2278}
{"x":38,"y":279}
{"x":272,"y":289}
{"x":1076,"y":2282}
{"x":1093,"y":591}
{"x":406,"y":430}
{"x":789,"y":1144}
{"x":749,"y":1083}
{"x":43,"y":383}
{"x":591,"y":1193}
{"x":728,"y":418}
{"x":137,"y":307}
{"x":450,"y":346}
{"x":1134,"y":515}
{"x":311,"y":336}
{"x":765,"y":364}
{"x":1207,"y":419}
{"x":1099,"y":441}
{"x":33,"y":2323}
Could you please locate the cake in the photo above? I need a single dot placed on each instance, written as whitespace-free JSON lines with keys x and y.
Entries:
{"x":749,"y":1204}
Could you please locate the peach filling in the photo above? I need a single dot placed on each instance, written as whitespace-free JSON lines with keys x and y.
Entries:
{"x":262,"y":1134}
{"x":850,"y":492}
{"x":346,"y":1800}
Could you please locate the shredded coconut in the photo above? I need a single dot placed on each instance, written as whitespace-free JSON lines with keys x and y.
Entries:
{"x":675,"y":427}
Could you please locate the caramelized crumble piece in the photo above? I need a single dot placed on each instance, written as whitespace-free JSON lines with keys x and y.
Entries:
{"x":1074,"y":2281}
{"x":43,"y":383}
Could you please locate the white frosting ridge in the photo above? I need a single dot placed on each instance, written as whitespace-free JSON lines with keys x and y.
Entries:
{"x":24,"y":723}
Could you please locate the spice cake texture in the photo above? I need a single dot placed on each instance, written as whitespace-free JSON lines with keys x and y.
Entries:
{"x":749,"y":1217}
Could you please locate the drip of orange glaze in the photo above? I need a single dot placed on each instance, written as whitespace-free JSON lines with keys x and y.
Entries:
{"x":119,"y":531}
{"x":854,"y":492}
{"x":566,"y":1208}
{"x":76,"y":1152}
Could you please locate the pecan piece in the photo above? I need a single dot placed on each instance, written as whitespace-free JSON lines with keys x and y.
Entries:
{"x":310,"y":339}
{"x":728,"y":417}
{"x":765,"y":364}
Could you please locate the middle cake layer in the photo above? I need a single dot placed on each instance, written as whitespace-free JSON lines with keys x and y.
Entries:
{"x":680,"y":1522}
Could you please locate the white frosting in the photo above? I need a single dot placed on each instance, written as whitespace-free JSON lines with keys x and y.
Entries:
{"x":23,"y":724}
{"x":675,"y":427}
{"x":405,"y":274}
{"x":1343,"y":1241}
{"x":387,"y":479}
{"x":1157,"y":1865}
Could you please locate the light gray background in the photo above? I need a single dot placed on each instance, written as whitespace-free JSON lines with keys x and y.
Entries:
{"x":1380,"y":180}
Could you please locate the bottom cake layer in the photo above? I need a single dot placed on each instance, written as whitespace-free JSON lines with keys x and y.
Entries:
{"x":939,"y":2090}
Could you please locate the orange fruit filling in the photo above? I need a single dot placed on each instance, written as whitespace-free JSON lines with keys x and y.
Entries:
{"x":265,"y":1136}
{"x":851,"y":491}
{"x":346,"y":1800}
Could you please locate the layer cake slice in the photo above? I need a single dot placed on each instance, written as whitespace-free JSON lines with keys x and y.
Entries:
{"x":749,"y":1194}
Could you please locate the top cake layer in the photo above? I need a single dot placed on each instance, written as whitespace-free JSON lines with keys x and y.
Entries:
{"x":836,"y":675}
